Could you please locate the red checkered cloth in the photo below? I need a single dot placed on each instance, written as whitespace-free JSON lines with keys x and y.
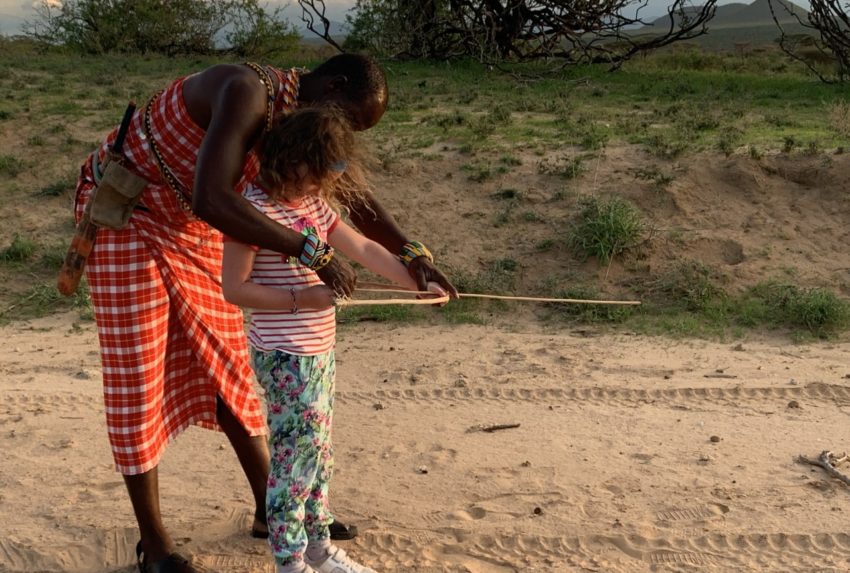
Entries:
{"x":169,"y":341}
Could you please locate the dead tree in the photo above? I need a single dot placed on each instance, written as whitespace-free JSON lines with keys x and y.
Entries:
{"x":829,"y":25}
{"x":498,"y":31}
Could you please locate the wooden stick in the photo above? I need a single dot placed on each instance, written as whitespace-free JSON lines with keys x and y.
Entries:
{"x":827,"y":460}
{"x":351,"y":302}
{"x":379,"y":287}
{"x":492,"y":428}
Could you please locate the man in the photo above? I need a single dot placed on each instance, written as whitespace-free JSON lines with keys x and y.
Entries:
{"x":173,"y":351}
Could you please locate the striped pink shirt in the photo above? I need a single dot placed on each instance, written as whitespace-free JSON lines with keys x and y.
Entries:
{"x":308,"y":332}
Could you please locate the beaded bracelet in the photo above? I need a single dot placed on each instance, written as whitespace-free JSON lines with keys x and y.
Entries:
{"x":413,"y":250}
{"x":294,"y":309}
{"x":315,"y":254}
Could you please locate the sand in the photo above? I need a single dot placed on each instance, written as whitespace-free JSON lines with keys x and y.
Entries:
{"x":632,"y":454}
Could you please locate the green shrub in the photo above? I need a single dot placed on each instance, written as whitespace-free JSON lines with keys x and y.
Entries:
{"x":19,"y":251}
{"x":566,"y":167}
{"x":605,"y":228}
{"x":818,"y":310}
{"x":690,"y":285}
{"x":10,"y":165}
{"x":588,"y":313}
{"x":499,"y":276}
{"x":56,"y":188}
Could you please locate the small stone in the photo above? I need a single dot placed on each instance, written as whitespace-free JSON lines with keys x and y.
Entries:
{"x":460,"y":383}
{"x":714,"y":439}
{"x":222,"y":447}
{"x":667,"y":376}
{"x":704,"y":458}
{"x":82,"y":375}
{"x":793,"y":404}
{"x":422,"y":470}
{"x":526,"y":464}
{"x":538,"y":511}
{"x":378,"y":405}
{"x":738,"y":347}
{"x":792,"y":382}
{"x":392,"y":348}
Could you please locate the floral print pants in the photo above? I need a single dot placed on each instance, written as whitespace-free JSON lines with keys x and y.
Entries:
{"x":299,"y":396}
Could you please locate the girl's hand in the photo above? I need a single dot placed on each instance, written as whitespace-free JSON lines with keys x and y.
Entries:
{"x":317,"y":297}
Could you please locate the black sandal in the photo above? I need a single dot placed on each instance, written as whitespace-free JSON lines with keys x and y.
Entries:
{"x":342,"y":532}
{"x":174,"y":563}
{"x":339,"y":532}
{"x":259,"y":533}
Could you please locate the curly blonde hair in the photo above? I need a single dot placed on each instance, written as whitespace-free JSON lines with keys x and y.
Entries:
{"x":321,"y":138}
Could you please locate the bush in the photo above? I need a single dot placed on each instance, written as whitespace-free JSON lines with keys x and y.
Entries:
{"x":606,"y":227}
{"x":19,"y":251}
{"x":589,"y":313}
{"x":818,"y":310}
{"x":688,"y":284}
{"x":168,"y":27}
{"x":499,"y":276}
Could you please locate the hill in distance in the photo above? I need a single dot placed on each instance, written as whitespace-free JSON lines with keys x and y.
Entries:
{"x":739,"y":14}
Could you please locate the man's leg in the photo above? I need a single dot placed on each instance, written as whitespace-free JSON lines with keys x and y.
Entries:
{"x":144,"y":494}
{"x":253,"y":454}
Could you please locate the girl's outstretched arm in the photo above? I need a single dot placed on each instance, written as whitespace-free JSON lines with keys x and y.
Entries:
{"x":370,"y":254}
{"x":238,"y":289}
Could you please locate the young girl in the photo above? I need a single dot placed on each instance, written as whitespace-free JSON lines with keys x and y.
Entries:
{"x":293,"y":325}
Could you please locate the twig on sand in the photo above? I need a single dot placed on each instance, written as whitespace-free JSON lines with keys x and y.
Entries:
{"x":491,"y":428}
{"x":828,"y":461}
{"x":719,"y":375}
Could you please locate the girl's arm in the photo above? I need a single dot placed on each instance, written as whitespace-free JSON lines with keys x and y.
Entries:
{"x":238,"y":289}
{"x":370,"y":254}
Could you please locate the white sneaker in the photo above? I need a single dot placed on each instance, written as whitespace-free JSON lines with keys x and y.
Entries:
{"x":336,"y":561}
{"x":303,"y":569}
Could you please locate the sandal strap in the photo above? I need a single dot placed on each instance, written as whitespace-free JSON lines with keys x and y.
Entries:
{"x":174,"y":563}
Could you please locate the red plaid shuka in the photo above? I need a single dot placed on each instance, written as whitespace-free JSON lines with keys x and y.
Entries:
{"x":169,"y":342}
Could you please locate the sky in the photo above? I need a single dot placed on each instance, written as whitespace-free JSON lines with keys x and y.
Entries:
{"x":13,"y":13}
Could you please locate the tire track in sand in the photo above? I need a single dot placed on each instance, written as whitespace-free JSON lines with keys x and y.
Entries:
{"x":626,"y":397}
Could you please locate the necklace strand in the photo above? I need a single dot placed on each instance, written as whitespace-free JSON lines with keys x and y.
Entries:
{"x":167,"y":174}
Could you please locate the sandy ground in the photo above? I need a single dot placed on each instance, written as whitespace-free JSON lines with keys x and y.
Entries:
{"x":632,"y":454}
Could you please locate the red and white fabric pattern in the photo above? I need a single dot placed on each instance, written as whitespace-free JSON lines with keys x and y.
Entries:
{"x":169,"y":341}
{"x":307,"y":332}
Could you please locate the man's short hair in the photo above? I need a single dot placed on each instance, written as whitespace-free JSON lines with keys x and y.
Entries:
{"x":365,"y":77}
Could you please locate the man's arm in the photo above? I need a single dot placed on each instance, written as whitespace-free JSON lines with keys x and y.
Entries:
{"x":376,"y":223}
{"x":237,"y":116}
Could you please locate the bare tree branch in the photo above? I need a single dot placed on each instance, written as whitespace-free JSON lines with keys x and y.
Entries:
{"x":829,"y":26}
{"x":311,"y":10}
{"x":499,"y":31}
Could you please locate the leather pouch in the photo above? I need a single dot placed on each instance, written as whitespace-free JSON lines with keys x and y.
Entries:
{"x":118,"y":192}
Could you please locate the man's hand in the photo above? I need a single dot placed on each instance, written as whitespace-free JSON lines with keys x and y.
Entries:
{"x":339,"y":276}
{"x":423,"y":271}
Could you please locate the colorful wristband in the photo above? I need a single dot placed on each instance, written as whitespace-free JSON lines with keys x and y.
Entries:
{"x":315,"y":254}
{"x":414,"y":250}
